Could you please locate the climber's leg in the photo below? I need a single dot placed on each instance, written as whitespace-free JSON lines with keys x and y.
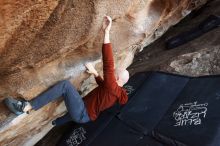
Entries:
{"x":19,"y":107}
{"x":73,"y":100}
{"x":62,"y":120}
{"x":49,"y":95}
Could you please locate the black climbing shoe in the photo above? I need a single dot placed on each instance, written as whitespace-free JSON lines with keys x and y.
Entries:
{"x":16,"y":106}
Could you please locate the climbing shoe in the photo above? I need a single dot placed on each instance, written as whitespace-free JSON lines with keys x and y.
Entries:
{"x":16,"y":106}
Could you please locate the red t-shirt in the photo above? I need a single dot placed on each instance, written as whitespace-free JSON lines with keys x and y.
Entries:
{"x":108,"y":92}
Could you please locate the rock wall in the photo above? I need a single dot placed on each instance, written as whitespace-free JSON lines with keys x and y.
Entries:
{"x":44,"y":41}
{"x":200,"y":56}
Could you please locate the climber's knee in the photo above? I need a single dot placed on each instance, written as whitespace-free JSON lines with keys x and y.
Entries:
{"x":65,"y":83}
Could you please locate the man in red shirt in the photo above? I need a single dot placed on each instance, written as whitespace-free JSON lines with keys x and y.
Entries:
{"x":108,"y":92}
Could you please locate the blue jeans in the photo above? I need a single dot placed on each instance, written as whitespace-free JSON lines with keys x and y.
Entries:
{"x":75,"y":106}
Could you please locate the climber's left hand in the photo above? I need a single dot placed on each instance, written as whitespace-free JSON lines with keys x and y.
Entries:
{"x":90,"y":69}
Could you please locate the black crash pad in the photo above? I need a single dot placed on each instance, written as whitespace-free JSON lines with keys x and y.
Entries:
{"x":93,"y":129}
{"x":194,"y":117}
{"x":163,"y":110}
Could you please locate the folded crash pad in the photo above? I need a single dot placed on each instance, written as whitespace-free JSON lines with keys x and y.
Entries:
{"x":207,"y":25}
{"x":163,"y":110}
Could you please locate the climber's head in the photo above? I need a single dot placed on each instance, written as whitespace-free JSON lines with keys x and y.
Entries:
{"x":122,"y":76}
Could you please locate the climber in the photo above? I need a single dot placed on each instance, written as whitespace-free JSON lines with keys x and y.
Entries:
{"x":82,"y":110}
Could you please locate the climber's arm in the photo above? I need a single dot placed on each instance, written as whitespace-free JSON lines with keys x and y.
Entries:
{"x":107,"y":55}
{"x":106,"y":37}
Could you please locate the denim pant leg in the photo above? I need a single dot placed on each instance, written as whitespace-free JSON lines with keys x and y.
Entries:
{"x":73,"y":101}
{"x":62,"y":120}
{"x":67,"y":118}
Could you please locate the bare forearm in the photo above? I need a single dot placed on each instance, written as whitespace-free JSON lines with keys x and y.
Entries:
{"x":106,"y":37}
{"x":107,"y":23}
{"x":96,"y":74}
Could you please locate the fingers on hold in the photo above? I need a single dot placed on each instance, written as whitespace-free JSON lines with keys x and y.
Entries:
{"x":107,"y":17}
{"x":86,"y":64}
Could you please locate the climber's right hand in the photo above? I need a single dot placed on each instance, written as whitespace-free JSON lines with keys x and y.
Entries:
{"x":107,"y":23}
